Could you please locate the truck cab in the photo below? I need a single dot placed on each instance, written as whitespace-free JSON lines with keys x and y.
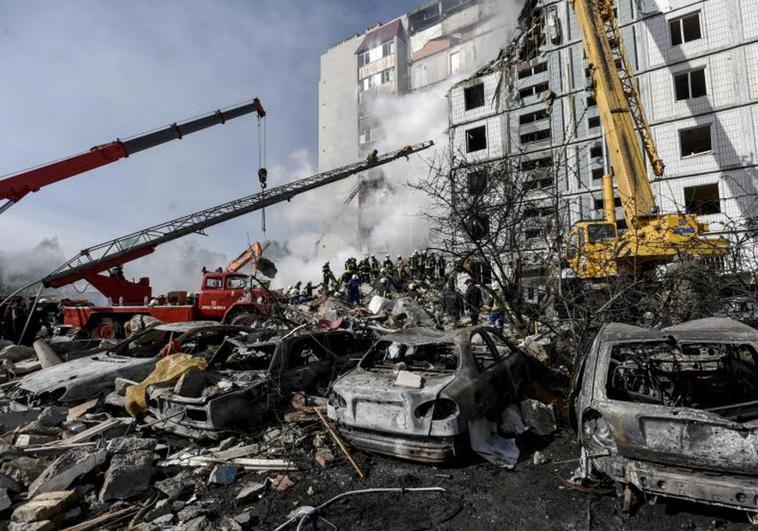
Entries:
{"x":226,"y":296}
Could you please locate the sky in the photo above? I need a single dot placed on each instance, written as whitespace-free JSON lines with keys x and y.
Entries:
{"x":84,"y":72}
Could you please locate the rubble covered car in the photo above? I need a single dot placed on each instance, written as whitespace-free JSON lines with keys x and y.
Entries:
{"x":244,"y":381}
{"x":133,"y":358}
{"x":673,"y":412}
{"x":415,"y":391}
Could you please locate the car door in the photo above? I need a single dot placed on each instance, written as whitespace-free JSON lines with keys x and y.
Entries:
{"x":307,"y":361}
{"x":488,"y":384}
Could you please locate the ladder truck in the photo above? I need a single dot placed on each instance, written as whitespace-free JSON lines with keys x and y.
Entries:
{"x":225,"y":296}
{"x":14,"y":187}
{"x":596,"y":250}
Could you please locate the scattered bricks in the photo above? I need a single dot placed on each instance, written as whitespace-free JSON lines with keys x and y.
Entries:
{"x":324,"y":457}
{"x":251,"y":489}
{"x":282,"y":483}
{"x":62,"y":472}
{"x":44,"y":506}
{"x":128,"y":475}
{"x":53,"y":416}
{"x":538,"y":416}
{"x":190,"y":384}
{"x":223,"y":475}
{"x":23,"y":470}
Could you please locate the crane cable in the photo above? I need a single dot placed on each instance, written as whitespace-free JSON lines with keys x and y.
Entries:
{"x":262,"y":171}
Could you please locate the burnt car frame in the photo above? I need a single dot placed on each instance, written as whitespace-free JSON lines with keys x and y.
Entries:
{"x":672,"y":412}
{"x":133,"y":358}
{"x":414,"y":393}
{"x":259,"y":376}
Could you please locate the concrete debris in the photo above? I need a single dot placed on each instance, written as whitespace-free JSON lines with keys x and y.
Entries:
{"x":44,"y":506}
{"x":62,"y":472}
{"x":281,"y":483}
{"x":223,"y":475}
{"x":46,"y":356}
{"x":539,"y":458}
{"x":130,"y":470}
{"x":538,"y":417}
{"x":324,"y":457}
{"x":252,"y":489}
{"x":53,"y":416}
{"x":5,"y":500}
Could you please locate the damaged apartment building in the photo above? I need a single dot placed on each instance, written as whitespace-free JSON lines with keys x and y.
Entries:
{"x":414,"y":52}
{"x":696,"y":66}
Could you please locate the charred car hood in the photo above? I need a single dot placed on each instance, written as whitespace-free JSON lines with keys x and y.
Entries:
{"x":373,"y":401}
{"x":86,"y":377}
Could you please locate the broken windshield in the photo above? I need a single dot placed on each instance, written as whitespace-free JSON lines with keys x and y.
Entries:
{"x":716,"y":377}
{"x":433,"y":357}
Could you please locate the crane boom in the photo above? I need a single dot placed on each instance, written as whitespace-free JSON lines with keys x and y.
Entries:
{"x":89,"y":262}
{"x":620,"y":108}
{"x":14,"y":187}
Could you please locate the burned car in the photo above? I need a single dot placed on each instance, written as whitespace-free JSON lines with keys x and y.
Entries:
{"x":672,"y":412}
{"x":248,"y":379}
{"x":413,"y":394}
{"x":133,"y":358}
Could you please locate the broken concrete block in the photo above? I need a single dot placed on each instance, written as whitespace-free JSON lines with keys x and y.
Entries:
{"x":53,"y":416}
{"x":62,"y":472}
{"x":44,"y":506}
{"x":324,"y":457}
{"x":251,"y":489}
{"x":191,"y":512}
{"x":44,"y":525}
{"x":166,"y":519}
{"x":46,"y":356}
{"x":128,"y":475}
{"x":539,"y":417}
{"x":31,"y":439}
{"x":539,"y":458}
{"x":23,"y":470}
{"x":244,"y":518}
{"x":120,"y":385}
{"x":201,"y":523}
{"x":409,"y":379}
{"x":125,"y":445}
{"x":190,"y":384}
{"x":223,"y":474}
{"x":175,"y":486}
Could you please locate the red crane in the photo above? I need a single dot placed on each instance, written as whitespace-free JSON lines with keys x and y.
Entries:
{"x":14,"y":187}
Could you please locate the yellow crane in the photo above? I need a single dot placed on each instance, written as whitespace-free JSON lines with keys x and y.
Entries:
{"x":595,"y":248}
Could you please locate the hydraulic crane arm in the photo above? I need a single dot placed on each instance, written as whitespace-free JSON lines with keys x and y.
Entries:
{"x":250,"y":255}
{"x":621,"y":110}
{"x":15,"y":187}
{"x":89,"y":262}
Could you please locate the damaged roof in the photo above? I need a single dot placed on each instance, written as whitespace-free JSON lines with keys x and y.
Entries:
{"x":379,"y":36}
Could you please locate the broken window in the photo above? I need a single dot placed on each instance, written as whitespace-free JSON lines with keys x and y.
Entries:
{"x":535,"y":90}
{"x":533,"y":164}
{"x":431,"y":357}
{"x":388,"y":75}
{"x":537,"y":136}
{"x":477,"y":182}
{"x":703,"y":199}
{"x":690,"y":85}
{"x":387,"y":49}
{"x":476,"y":139}
{"x":593,"y":122}
{"x":532,"y":117}
{"x":483,"y":355}
{"x":685,"y":29}
{"x":529,"y":71}
{"x":363,"y":58}
{"x":539,"y":184}
{"x":596,"y":150}
{"x":307,"y":352}
{"x":591,"y":101}
{"x":599,"y":203}
{"x":532,"y":234}
{"x":477,"y":226}
{"x":597,"y":174}
{"x":473,"y":97}
{"x":720,"y":378}
{"x":695,"y":140}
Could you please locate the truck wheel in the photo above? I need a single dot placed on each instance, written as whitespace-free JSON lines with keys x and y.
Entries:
{"x":249,"y":320}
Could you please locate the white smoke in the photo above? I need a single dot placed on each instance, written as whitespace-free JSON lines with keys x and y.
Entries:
{"x":18,"y":268}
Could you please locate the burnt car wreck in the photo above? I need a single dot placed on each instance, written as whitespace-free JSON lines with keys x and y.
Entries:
{"x":672,"y":412}
{"x":250,"y":377}
{"x":414,"y":393}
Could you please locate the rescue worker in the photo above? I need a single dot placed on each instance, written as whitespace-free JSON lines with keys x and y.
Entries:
{"x":441,"y":265}
{"x":384,"y":289}
{"x":308,"y":290}
{"x":364,"y":270}
{"x":452,"y":302}
{"x":474,"y":301}
{"x":387,"y":264}
{"x":413,"y":292}
{"x":328,"y":277}
{"x":373,"y":157}
{"x":414,"y":264}
{"x":497,"y":308}
{"x":401,"y":268}
{"x":374,"y":267}
{"x":353,"y":289}
{"x":430,"y":266}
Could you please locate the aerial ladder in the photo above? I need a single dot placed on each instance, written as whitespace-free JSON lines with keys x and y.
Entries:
{"x":596,"y":249}
{"x":14,"y":187}
{"x":91,"y":263}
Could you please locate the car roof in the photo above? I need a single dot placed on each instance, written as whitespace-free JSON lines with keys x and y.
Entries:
{"x":709,"y":329}
{"x":185,"y":326}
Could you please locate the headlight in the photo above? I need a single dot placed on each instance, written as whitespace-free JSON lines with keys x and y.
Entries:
{"x":336,"y":400}
{"x":597,"y":431}
{"x":440,"y":409}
